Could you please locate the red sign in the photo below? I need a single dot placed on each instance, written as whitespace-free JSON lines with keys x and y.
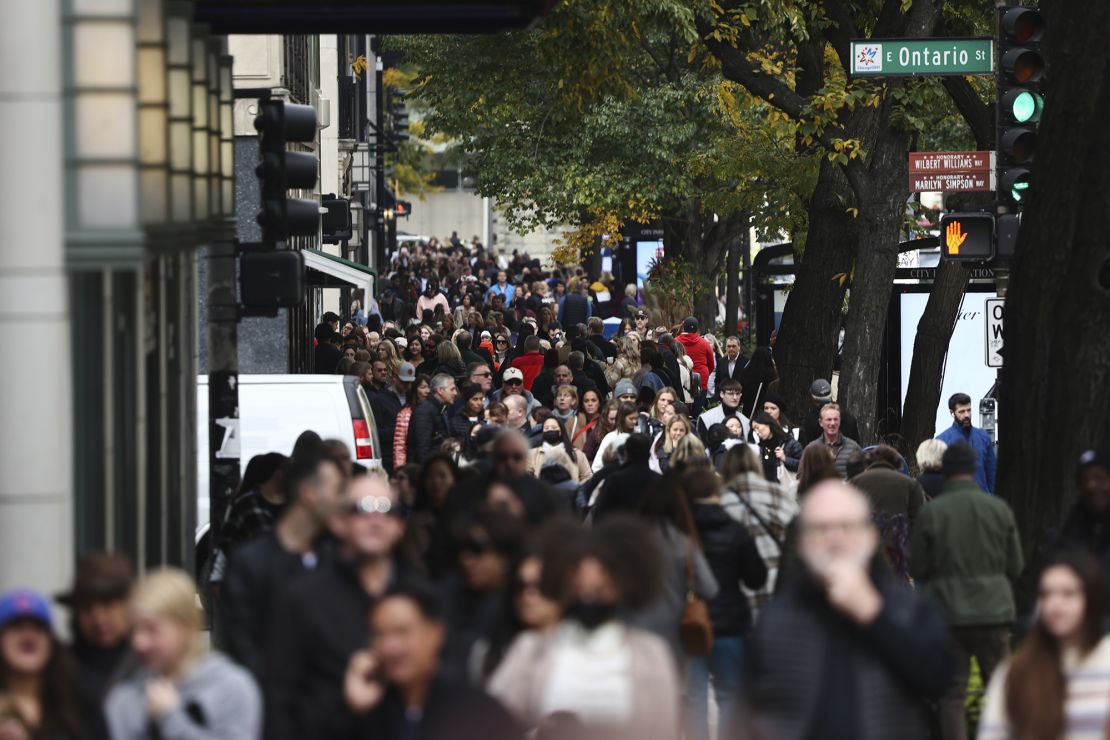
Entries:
{"x":951,"y":182}
{"x":951,"y":172}
{"x":935,"y":163}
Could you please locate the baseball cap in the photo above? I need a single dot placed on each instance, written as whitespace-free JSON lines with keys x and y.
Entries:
{"x":24,"y":604}
{"x":407,"y":373}
{"x":624,"y":388}
{"x":401,"y":342}
{"x":642,"y":314}
{"x":689,"y":324}
{"x":514,"y":373}
{"x":106,"y":576}
{"x":821,"y":390}
{"x":1094,"y":458}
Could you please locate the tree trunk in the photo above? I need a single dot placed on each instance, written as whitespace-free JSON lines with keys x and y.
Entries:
{"x":882,"y":205}
{"x":697,"y":237}
{"x":1054,"y":400}
{"x":807,"y":335}
{"x":930,"y":350}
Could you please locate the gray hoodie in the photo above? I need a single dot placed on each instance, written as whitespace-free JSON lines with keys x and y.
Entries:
{"x":219,"y":701}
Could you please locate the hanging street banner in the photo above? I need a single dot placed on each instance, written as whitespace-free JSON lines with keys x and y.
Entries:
{"x":951,"y":172}
{"x":922,"y":57}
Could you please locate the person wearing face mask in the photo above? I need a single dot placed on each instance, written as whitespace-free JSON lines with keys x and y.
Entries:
{"x":845,"y":651}
{"x":593,"y":674}
{"x":556,"y":448}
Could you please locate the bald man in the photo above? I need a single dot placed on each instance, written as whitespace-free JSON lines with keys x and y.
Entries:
{"x":846,"y":651}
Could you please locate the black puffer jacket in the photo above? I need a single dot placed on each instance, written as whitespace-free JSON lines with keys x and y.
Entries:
{"x":733,"y":557}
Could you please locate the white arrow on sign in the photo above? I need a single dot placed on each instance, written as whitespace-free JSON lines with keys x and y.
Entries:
{"x":993,"y":344}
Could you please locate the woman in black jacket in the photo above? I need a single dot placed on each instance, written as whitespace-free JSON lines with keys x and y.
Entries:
{"x":776,"y":446}
{"x":733,"y":557}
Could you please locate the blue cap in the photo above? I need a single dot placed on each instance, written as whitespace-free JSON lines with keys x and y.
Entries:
{"x":24,"y":604}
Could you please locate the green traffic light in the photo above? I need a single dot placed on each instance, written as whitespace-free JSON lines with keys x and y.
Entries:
{"x":1018,"y":191}
{"x":1027,"y":107}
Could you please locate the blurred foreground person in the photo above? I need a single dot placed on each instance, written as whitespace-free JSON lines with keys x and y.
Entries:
{"x":396,"y":689}
{"x":101,"y":632}
{"x":846,"y":651}
{"x":182,"y":692}
{"x":593,"y":675}
{"x":36,"y":676}
{"x":1058,"y":683}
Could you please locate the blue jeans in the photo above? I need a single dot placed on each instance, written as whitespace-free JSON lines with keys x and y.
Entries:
{"x":724,"y":666}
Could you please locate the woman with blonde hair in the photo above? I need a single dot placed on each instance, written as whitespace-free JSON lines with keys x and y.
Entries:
{"x":928,"y":456}
{"x":689,"y":453}
{"x":676,"y":429}
{"x":627,"y":361}
{"x":181,"y":691}
{"x":387,"y":353}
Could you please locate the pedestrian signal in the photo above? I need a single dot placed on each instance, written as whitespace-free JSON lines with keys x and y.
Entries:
{"x":967,"y":236}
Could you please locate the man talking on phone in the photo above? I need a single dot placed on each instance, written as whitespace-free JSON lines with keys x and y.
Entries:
{"x":846,"y":651}
{"x":395,"y":687}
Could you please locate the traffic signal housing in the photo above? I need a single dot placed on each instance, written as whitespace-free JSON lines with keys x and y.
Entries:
{"x":398,"y":116}
{"x":1021,"y":71}
{"x":281,"y":217}
{"x":967,"y":236}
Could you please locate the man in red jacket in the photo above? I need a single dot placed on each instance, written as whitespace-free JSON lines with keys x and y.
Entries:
{"x":531,"y":362}
{"x":697,"y":349}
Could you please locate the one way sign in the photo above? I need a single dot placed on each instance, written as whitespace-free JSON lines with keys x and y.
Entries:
{"x":994,"y":331}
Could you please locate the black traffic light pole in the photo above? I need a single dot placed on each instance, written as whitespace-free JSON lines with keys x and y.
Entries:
{"x":380,"y":255}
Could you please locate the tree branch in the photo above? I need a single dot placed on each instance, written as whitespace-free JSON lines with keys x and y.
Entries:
{"x":975,"y":112}
{"x":841,"y":31}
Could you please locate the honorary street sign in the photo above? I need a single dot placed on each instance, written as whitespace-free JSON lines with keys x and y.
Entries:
{"x":951,"y":172}
{"x":952,"y":182}
{"x":925,"y":57}
{"x":936,"y":163}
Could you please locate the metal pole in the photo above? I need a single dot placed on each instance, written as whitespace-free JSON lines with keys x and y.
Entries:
{"x":381,"y":259}
{"x":223,"y":381}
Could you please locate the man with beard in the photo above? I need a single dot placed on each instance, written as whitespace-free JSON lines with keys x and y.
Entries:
{"x":845,"y":651}
{"x":959,"y":405}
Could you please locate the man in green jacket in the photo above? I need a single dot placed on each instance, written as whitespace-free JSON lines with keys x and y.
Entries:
{"x":965,"y":550}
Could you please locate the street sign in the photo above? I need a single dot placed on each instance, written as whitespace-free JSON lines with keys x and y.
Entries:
{"x":922,"y":57}
{"x":947,"y":162}
{"x":967,"y":236}
{"x":950,"y":172}
{"x":961,"y":182}
{"x":994,"y":331}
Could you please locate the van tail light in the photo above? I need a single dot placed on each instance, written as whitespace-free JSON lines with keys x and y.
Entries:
{"x":364,"y":446}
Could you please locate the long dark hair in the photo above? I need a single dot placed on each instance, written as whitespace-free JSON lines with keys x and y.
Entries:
{"x":421,"y":378}
{"x":1035,"y":685}
{"x":817,"y":464}
{"x":57,"y":696}
{"x":665,"y":502}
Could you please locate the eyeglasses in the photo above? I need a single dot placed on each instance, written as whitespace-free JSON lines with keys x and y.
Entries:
{"x":373,"y":505}
{"x":486,"y":374}
{"x":824,"y":529}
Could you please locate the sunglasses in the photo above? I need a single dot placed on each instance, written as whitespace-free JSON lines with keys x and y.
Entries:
{"x":482,"y":375}
{"x":373,"y":505}
{"x":514,"y":382}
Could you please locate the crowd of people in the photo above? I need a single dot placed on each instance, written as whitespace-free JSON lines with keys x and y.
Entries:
{"x":578,"y":533}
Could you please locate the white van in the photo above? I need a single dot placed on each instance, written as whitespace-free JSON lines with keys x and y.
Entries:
{"x":275,"y":409}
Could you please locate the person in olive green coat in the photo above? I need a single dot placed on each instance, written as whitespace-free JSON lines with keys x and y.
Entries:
{"x":965,"y":550}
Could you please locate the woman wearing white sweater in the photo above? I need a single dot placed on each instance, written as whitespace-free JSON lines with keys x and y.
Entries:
{"x":1057,"y":685}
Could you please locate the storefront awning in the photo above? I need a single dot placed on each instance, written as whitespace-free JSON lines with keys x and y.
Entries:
{"x":329,"y":271}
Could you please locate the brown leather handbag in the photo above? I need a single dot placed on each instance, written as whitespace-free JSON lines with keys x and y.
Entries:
{"x":696,"y":629}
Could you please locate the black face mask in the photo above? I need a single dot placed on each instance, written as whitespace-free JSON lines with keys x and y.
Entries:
{"x":552,"y":437}
{"x":591,"y":614}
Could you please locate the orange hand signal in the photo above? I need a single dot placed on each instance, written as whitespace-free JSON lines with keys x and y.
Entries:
{"x":954,"y":237}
